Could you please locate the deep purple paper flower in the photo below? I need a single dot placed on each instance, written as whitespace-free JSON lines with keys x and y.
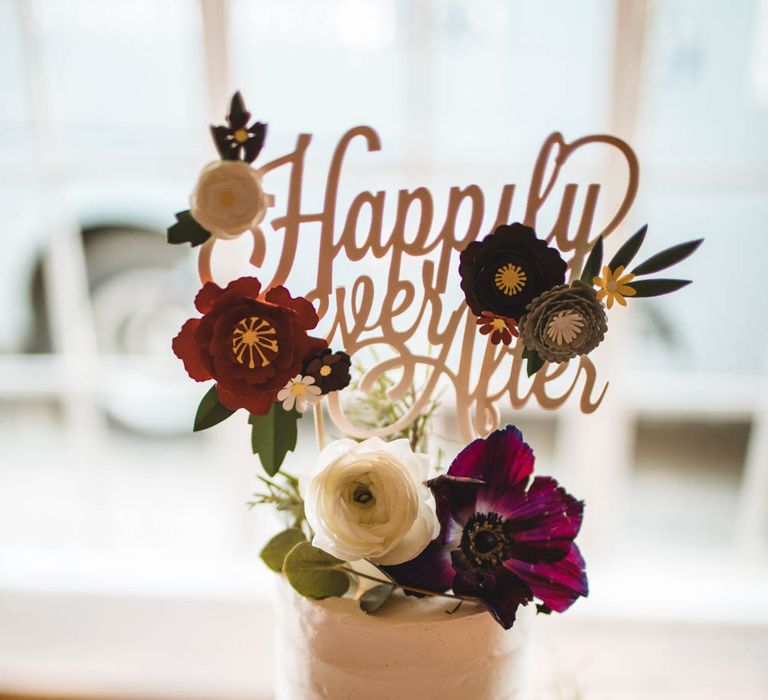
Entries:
{"x":237,"y":140}
{"x":505,"y":539}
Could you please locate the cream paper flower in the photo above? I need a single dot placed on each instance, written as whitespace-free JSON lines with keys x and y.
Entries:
{"x":369,"y":500}
{"x":228,"y":199}
{"x":299,"y":392}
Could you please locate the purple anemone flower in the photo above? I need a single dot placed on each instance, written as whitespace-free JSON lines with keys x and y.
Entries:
{"x":505,"y":538}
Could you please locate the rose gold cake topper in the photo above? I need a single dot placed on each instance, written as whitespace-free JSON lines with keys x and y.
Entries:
{"x":356,"y":324}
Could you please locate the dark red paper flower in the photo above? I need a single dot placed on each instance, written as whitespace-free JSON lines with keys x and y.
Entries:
{"x":506,"y":270}
{"x":498,"y":328}
{"x":250,"y":344}
{"x":505,"y":539}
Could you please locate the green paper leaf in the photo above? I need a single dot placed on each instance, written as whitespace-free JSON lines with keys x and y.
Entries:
{"x":276,"y":550}
{"x":667,"y":258}
{"x":313,"y":573}
{"x":187,"y":230}
{"x":273,"y":436}
{"x":375,"y":597}
{"x":627,"y":252}
{"x":594,"y":263}
{"x":655,"y":288}
{"x":210,"y":412}
{"x":533,"y":361}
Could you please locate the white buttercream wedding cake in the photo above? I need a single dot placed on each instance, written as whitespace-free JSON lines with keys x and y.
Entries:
{"x":331,"y":650}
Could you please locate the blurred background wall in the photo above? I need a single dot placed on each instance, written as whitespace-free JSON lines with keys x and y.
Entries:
{"x":128,"y":560}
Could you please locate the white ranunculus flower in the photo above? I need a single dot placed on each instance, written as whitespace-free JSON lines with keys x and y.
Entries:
{"x":369,"y":500}
{"x":228,"y":199}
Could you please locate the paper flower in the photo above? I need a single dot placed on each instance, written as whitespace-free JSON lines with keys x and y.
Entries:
{"x":330,"y":370}
{"x":300,"y":392}
{"x":506,"y":270}
{"x":613,"y":286}
{"x":505,"y":539}
{"x":249,"y":343}
{"x":237,"y":140}
{"x":498,"y":328}
{"x":228,"y":199}
{"x":369,"y":500}
{"x":564,"y":322}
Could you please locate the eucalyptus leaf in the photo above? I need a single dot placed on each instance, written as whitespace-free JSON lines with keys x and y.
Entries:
{"x":655,"y":288}
{"x":594,"y":262}
{"x":314,"y":573}
{"x":210,"y":412}
{"x":276,"y":550}
{"x":375,"y":597}
{"x":187,"y":230}
{"x":627,"y":252}
{"x":534,"y":362}
{"x":273,"y":436}
{"x":667,"y":258}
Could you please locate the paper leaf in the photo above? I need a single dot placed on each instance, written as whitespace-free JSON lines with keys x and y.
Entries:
{"x":667,"y":258}
{"x":533,"y":361}
{"x":187,"y":230}
{"x":313,"y":573}
{"x":210,"y":412}
{"x":594,"y":263}
{"x":276,"y":550}
{"x":273,"y":436}
{"x":627,"y":252}
{"x":655,"y":288}
{"x":375,"y":597}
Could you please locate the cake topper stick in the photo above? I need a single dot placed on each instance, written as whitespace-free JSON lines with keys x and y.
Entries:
{"x":319,"y":425}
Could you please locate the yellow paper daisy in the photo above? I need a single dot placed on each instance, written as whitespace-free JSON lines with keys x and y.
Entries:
{"x":612,"y":286}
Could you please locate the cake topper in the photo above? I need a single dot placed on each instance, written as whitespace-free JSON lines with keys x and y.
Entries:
{"x":492,"y":302}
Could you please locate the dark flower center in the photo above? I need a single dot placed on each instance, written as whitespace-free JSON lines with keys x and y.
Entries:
{"x":362,"y":495}
{"x":484,"y":541}
{"x":254,"y":339}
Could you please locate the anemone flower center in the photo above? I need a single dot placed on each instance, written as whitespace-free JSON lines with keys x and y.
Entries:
{"x":325,"y":370}
{"x":484,"y":541}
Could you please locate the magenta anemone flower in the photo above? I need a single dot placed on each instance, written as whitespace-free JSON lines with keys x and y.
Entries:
{"x":505,"y":538}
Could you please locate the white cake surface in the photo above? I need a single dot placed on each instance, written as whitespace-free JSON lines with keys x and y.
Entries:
{"x":410,"y":650}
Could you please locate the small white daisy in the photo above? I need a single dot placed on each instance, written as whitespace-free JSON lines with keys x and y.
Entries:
{"x":299,"y":392}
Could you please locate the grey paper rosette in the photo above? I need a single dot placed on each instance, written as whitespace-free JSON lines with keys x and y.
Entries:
{"x":564,"y":322}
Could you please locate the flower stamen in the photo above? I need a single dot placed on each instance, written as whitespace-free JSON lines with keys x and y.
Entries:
{"x":251,"y":336}
{"x":484,"y":541}
{"x":510,"y":279}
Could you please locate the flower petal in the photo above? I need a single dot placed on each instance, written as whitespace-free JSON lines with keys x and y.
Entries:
{"x":542,"y":521}
{"x":500,"y":591}
{"x":208,"y":294}
{"x":307,"y":316}
{"x":431,"y":570}
{"x":455,"y":498}
{"x":257,"y":404}
{"x":556,"y":584}
{"x":502,"y":460}
{"x":186,"y":348}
